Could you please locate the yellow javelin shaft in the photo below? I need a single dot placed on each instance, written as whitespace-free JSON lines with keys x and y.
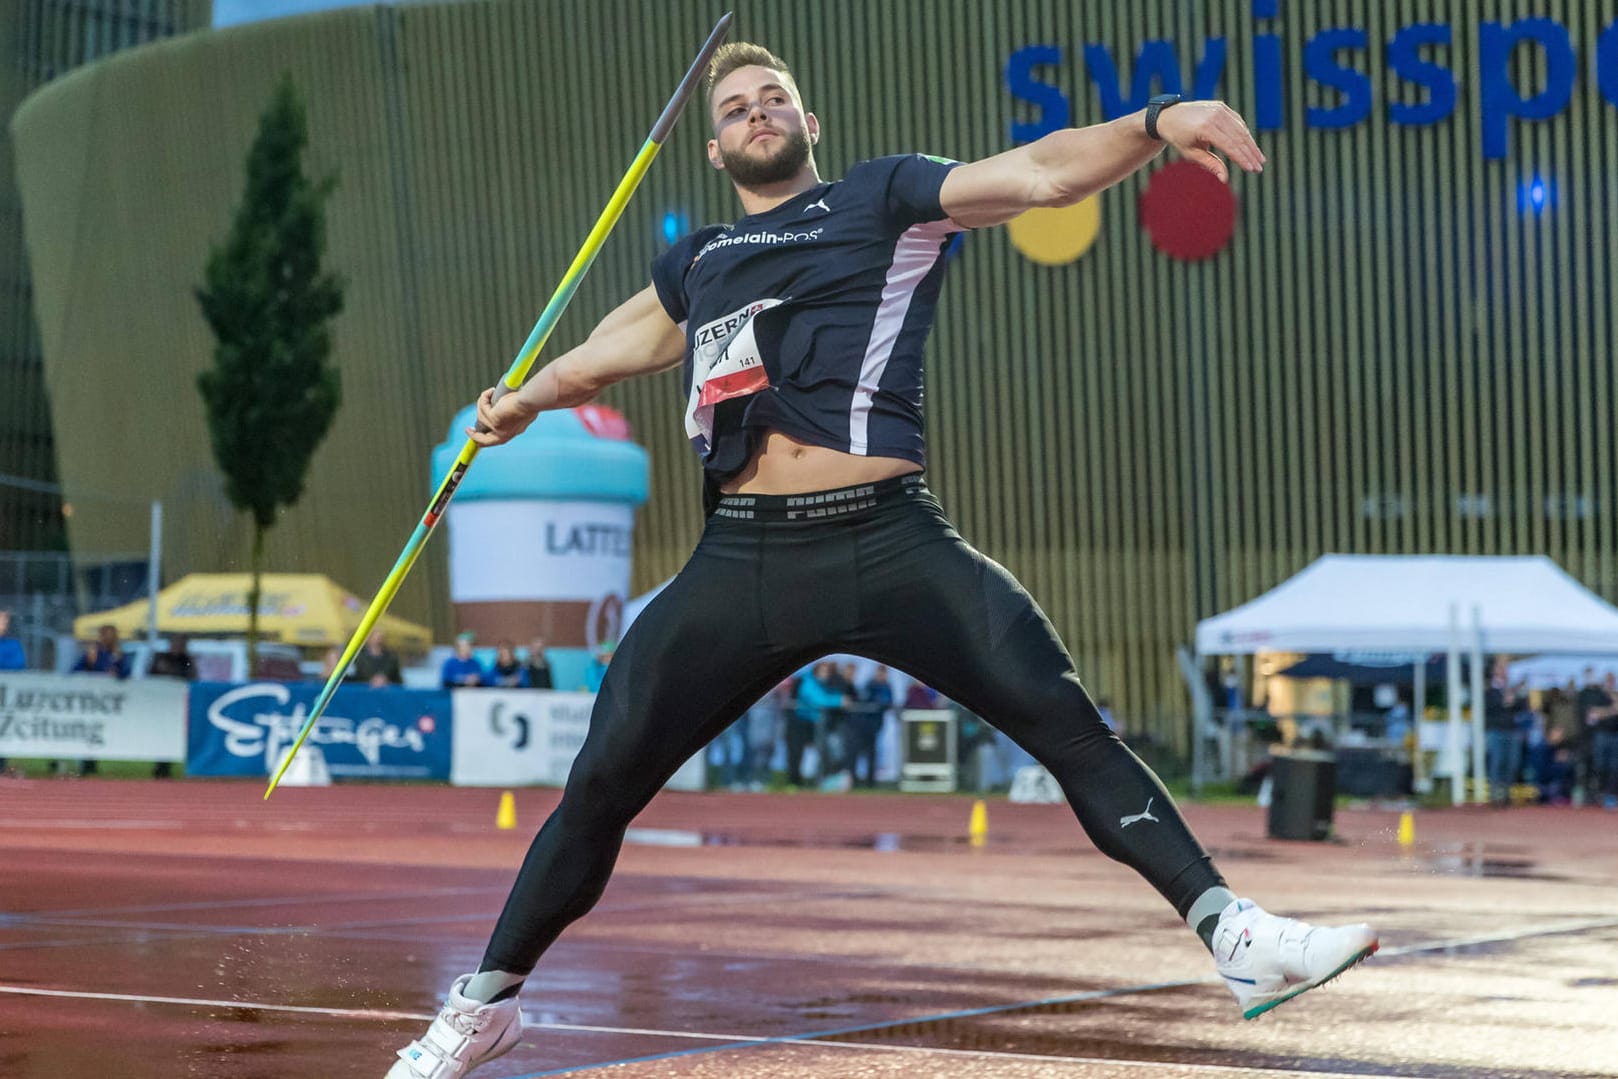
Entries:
{"x":513,"y":379}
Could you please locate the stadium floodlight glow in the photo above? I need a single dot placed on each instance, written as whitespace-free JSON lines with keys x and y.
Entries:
{"x":514,"y":377}
{"x":675,"y":224}
{"x":1535,"y":195}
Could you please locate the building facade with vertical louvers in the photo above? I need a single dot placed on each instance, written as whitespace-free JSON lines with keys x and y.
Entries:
{"x":40,"y":40}
{"x":1398,"y":338}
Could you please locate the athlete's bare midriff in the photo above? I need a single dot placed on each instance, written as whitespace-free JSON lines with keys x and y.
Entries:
{"x":785,"y":466}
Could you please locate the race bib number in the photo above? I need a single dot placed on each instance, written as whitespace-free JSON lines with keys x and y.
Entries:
{"x":725,"y":363}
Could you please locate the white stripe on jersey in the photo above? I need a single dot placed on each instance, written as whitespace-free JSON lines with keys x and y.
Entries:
{"x":914,"y":255}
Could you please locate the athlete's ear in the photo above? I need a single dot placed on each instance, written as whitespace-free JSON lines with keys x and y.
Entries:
{"x":713,"y":155}
{"x":811,"y":123}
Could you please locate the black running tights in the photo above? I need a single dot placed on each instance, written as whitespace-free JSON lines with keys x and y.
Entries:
{"x":763,"y":595}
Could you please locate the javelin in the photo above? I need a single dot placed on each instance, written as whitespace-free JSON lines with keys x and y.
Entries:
{"x":514,"y":377}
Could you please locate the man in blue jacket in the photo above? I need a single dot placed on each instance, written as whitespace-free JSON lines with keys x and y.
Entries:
{"x":11,"y":654}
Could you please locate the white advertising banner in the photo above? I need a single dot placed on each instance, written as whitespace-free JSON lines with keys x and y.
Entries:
{"x":517,"y":737}
{"x":503,"y":550}
{"x":91,"y":717}
{"x":529,"y":737}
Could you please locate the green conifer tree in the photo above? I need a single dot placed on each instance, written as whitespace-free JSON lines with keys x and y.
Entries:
{"x":270,"y":394}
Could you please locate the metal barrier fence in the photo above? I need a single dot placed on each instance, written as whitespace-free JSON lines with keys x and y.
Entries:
{"x":46,"y":590}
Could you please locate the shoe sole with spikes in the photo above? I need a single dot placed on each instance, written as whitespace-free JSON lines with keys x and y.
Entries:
{"x":1303,"y":987}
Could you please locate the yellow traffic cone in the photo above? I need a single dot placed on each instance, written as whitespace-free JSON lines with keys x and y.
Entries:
{"x":506,"y":818}
{"x":1407,"y":829}
{"x":978,"y":828}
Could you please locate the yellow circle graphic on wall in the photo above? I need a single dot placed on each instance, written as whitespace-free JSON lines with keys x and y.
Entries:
{"x":1052,"y":236}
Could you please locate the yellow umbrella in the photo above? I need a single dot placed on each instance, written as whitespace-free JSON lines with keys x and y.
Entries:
{"x":308,"y":610}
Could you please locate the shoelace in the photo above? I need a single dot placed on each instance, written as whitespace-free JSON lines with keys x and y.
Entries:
{"x":463,"y":1023}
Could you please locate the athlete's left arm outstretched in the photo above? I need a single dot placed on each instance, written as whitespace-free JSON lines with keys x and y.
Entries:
{"x":1070,"y":165}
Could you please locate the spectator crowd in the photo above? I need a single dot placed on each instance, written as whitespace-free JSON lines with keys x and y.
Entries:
{"x":823,"y":726}
{"x":1564,"y":750}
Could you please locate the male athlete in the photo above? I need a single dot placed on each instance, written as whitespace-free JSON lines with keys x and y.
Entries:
{"x":800,"y":329}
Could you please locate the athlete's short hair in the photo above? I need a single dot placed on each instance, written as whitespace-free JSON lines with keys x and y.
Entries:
{"x":740,"y":54}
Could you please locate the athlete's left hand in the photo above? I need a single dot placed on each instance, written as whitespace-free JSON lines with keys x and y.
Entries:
{"x":1197,"y":129}
{"x":503,"y":420}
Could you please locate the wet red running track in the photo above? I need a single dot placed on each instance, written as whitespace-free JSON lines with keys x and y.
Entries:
{"x":154,"y":929}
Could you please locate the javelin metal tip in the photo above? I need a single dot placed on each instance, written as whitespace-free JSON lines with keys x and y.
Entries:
{"x":688,"y":85}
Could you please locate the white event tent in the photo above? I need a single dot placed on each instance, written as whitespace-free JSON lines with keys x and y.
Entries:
{"x":1420,"y":604}
{"x":1554,"y":671}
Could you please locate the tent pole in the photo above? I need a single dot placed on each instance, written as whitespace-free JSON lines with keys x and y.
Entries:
{"x":1201,"y":715}
{"x":1452,"y":695}
{"x":1419,"y":780}
{"x":154,"y":575}
{"x":1480,"y":783}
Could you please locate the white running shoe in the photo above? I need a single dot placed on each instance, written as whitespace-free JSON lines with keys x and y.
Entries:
{"x":1268,"y":960}
{"x":464,"y":1035}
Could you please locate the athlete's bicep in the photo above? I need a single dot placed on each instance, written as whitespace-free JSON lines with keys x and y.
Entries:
{"x":995,"y":190}
{"x":636,"y":338}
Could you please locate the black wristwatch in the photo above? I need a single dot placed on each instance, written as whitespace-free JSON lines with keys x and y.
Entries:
{"x":1155,"y":106}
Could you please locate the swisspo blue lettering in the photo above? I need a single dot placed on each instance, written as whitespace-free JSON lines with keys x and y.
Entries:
{"x":1336,"y":59}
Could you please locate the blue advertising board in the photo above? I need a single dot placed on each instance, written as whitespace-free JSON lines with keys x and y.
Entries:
{"x":242,"y":730}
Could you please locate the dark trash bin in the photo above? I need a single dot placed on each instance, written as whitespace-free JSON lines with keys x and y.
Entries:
{"x":1303,"y":787}
{"x":1364,"y":772}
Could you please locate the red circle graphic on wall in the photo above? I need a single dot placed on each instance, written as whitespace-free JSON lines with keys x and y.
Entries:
{"x":1186,"y":212}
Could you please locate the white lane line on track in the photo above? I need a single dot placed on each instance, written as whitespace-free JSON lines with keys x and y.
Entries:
{"x":820,"y":1040}
{"x":1498,"y":938}
{"x":378,"y":1014}
{"x":704,"y":900}
{"x":196,"y":1002}
{"x":277,"y":901}
{"x":737,"y":1040}
{"x":383,"y":930}
{"x":36,"y":825}
{"x":72,"y":942}
{"x":57,"y":917}
{"x":583,"y":944}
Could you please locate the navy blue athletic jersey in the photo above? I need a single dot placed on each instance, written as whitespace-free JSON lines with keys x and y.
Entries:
{"x":810,"y":317}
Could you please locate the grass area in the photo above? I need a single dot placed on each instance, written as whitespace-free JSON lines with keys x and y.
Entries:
{"x":1180,"y":788}
{"x":1212,"y":793}
{"x":1217,"y":794}
{"x":41,"y":769}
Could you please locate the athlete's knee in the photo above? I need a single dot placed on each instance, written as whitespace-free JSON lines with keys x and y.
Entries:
{"x":600,"y":796}
{"x":1059,"y":724}
{"x":1063,"y":702}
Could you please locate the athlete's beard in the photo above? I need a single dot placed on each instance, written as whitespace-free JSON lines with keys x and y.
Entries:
{"x":788,"y":159}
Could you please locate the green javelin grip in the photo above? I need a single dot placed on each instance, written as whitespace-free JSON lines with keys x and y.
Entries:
{"x":514,"y":377}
